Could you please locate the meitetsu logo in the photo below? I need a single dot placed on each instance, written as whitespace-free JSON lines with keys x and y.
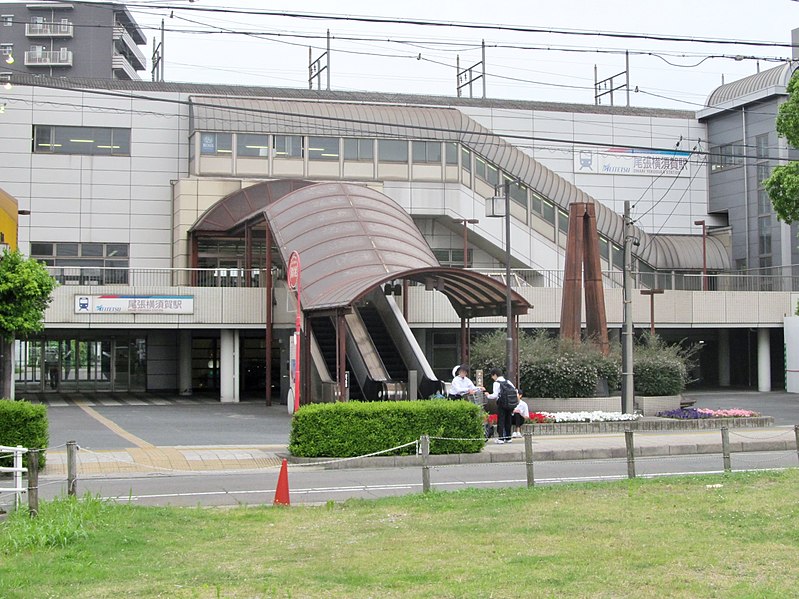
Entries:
{"x":102,"y":308}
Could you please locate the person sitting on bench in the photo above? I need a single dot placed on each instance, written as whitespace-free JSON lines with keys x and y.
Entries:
{"x":462,"y":385}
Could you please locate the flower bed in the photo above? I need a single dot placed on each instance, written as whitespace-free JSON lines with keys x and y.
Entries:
{"x":595,"y":416}
{"x":697,"y":413}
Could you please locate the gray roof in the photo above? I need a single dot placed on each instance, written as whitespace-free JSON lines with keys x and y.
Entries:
{"x":250,"y":115}
{"x":249,"y":91}
{"x":770,"y":82}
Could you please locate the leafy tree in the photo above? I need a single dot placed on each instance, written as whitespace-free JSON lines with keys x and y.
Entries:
{"x":25,"y":292}
{"x":783,"y":184}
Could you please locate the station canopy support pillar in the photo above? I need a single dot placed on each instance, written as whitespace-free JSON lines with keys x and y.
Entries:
{"x":763,"y":360}
{"x":184,"y":362}
{"x":229,"y":366}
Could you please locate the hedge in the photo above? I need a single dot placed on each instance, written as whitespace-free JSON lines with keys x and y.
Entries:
{"x":356,"y":428}
{"x":23,"y":423}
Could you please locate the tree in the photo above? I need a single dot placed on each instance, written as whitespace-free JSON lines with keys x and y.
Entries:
{"x":783,"y":184}
{"x":26,"y":290}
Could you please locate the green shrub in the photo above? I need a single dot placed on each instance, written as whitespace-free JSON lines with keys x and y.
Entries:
{"x":660,"y":369}
{"x":23,"y":423}
{"x":357,"y":428}
{"x":565,"y":375}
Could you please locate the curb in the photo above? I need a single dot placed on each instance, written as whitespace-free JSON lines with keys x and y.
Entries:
{"x":545,"y":455}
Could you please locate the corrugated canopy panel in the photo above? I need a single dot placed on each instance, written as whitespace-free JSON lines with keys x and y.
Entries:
{"x":258,"y":115}
{"x":778,"y":77}
{"x":351,"y":239}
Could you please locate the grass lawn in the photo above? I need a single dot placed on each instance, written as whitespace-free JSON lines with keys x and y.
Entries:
{"x":643,"y":538}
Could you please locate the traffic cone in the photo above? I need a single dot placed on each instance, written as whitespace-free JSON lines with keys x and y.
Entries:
{"x":282,"y":490}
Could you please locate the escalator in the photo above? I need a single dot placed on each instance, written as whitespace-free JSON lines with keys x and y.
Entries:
{"x":324,"y":333}
{"x":384,"y":344}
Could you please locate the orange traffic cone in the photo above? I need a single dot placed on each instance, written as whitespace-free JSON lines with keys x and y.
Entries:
{"x":282,"y":491}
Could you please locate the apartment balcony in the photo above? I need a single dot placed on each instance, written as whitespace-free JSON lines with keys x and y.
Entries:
{"x":48,"y":29}
{"x":122,"y":69}
{"x":48,"y":58}
{"x":126,"y":46}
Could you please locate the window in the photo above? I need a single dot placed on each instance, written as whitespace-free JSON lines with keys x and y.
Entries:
{"x":761,"y":144}
{"x":763,"y":202}
{"x":89,"y":141}
{"x":617,"y":257}
{"x":449,"y":257}
{"x":426,"y":152}
{"x":6,"y":49}
{"x":764,"y":234}
{"x":604,"y":248}
{"x":323,"y":148}
{"x":726,"y":156}
{"x":212,"y":144}
{"x":8,"y":20}
{"x":486,"y":171}
{"x":518,"y":191}
{"x":466,"y":160}
{"x":451,"y":153}
{"x":252,"y":146}
{"x":84,"y":263}
{"x":359,"y":149}
{"x":392,"y":150}
{"x":763,"y":173}
{"x":563,"y":221}
{"x":543,"y":208}
{"x":288,"y":146}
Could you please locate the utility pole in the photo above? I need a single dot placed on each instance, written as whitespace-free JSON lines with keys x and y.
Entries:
{"x":627,"y":385}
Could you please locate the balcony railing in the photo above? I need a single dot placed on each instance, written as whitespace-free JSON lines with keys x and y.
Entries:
{"x":121,"y":34}
{"x":48,"y":58}
{"x":520,"y":278}
{"x":48,"y":29}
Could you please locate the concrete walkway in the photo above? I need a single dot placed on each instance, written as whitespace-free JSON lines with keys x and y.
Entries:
{"x":155,"y":460}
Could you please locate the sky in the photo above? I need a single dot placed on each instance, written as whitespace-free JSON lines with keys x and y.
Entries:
{"x":427,"y":66}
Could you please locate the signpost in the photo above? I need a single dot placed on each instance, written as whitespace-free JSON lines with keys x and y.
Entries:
{"x":293,"y":278}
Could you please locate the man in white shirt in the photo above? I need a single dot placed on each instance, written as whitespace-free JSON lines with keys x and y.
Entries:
{"x":461,"y":385}
{"x":520,"y":415}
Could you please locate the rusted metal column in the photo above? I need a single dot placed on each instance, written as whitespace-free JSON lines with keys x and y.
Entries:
{"x":341,"y":355}
{"x":595,"y":318}
{"x":194,"y":257}
{"x":571,"y":303}
{"x":269,"y":311}
{"x":464,"y":343}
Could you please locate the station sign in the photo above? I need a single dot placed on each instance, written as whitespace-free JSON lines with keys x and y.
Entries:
{"x":134,"y":304}
{"x":630,"y":161}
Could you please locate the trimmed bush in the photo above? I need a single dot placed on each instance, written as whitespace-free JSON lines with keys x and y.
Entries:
{"x":23,"y":423}
{"x":354,"y":428}
{"x":660,"y":369}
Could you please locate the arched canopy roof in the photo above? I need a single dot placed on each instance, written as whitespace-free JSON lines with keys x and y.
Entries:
{"x":773,"y":81}
{"x":351,"y":239}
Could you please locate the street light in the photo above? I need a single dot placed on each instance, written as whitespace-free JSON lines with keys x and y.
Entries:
{"x":466,"y":221}
{"x":498,"y":207}
{"x":704,"y":252}
{"x":651,"y":293}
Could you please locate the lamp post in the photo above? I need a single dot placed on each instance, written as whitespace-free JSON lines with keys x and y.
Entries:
{"x":651,"y":293}
{"x":704,"y":252}
{"x":466,"y":222}
{"x":496,"y":207}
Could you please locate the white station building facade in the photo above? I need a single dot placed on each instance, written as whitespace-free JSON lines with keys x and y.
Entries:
{"x":141,"y":195}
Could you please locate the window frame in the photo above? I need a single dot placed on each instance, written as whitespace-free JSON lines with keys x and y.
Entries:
{"x":291,"y":153}
{"x":246,"y":145}
{"x":118,"y":138}
{"x":361,"y":143}
{"x":383,"y":147}
{"x":322,"y":153}
{"x":426,"y":151}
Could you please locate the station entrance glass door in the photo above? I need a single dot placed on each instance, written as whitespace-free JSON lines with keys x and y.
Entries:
{"x":70,"y":365}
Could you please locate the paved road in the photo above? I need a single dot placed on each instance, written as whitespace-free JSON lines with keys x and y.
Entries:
{"x":784,"y":407}
{"x":312,"y":485}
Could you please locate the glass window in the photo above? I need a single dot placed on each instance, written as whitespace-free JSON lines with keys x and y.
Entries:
{"x":252,"y":146}
{"x":761,"y":144}
{"x":66,"y":249}
{"x":466,"y":159}
{"x":426,"y":152}
{"x":392,"y":150}
{"x":8,"y":20}
{"x":537,"y":204}
{"x":604,"y":248}
{"x":323,"y":148}
{"x":451,"y":153}
{"x":6,"y":49}
{"x":764,"y":234}
{"x":518,"y":193}
{"x":212,"y":144}
{"x":41,"y":249}
{"x":288,"y":146}
{"x":492,"y":174}
{"x":480,"y":168}
{"x":116,"y":249}
{"x":549,"y":212}
{"x":763,"y":202}
{"x":81,"y":140}
{"x":563,"y":221}
{"x":726,"y":156}
{"x":617,"y":257}
{"x":91,"y":249}
{"x":359,"y":149}
{"x":763,"y":173}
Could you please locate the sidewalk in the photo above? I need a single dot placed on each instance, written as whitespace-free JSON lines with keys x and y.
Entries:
{"x":153,"y":460}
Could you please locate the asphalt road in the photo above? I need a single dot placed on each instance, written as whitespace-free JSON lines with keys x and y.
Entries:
{"x":319,"y":486}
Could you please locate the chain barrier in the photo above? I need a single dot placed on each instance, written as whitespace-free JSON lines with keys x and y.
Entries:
{"x":762,"y":438}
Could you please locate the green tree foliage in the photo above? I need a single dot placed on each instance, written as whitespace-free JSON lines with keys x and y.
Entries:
{"x":25,"y":292}
{"x":783,"y":184}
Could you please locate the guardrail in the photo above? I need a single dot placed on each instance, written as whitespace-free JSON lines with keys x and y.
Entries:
{"x":17,"y":470}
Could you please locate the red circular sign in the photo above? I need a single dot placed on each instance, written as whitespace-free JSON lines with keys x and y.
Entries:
{"x":293,"y":275}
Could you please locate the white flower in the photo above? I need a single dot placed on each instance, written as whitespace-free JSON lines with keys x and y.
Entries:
{"x":596,"y":416}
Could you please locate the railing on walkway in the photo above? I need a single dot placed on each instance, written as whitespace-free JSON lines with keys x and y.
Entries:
{"x":16,"y":470}
{"x":520,"y":278}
